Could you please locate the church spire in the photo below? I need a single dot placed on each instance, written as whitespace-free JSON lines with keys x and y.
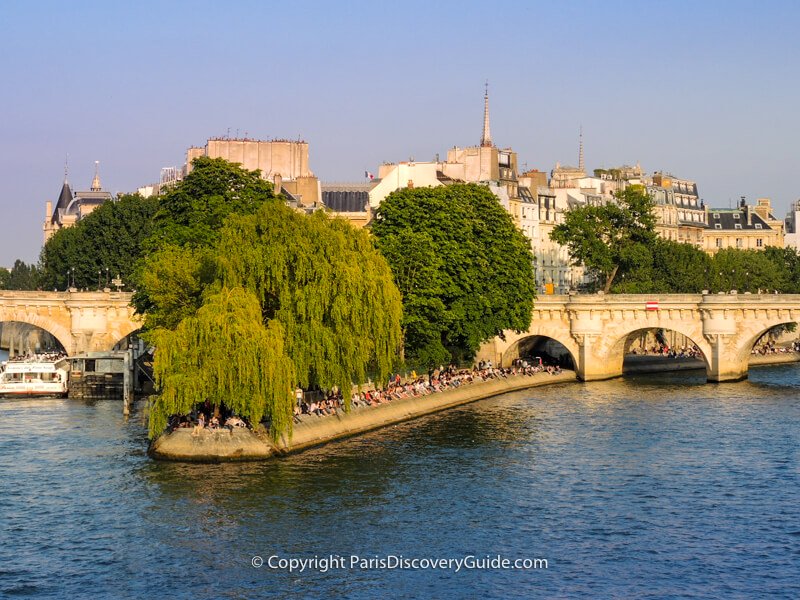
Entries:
{"x":581,"y":164}
{"x":96,"y":187}
{"x":486,"y":139}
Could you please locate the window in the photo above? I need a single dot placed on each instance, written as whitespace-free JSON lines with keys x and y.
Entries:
{"x":738,"y":242}
{"x":719,"y":242}
{"x":716,"y":216}
{"x":738,"y":226}
{"x":736,"y":215}
{"x":759,"y":243}
{"x":717,"y":225}
{"x":758,"y":226}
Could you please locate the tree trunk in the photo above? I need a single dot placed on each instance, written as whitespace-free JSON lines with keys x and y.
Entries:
{"x":610,"y":279}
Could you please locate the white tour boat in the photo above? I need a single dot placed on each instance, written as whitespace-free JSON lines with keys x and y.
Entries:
{"x":36,"y":376}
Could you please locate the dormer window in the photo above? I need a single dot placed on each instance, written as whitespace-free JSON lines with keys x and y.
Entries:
{"x":738,"y":226}
{"x":758,"y":226}
{"x":736,"y":215}
{"x":717,"y":225}
{"x":716,"y":216}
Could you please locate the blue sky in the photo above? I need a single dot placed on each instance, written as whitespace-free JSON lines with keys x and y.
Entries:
{"x":706,"y":90}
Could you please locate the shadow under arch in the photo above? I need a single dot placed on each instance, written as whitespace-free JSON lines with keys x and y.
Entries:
{"x":124,"y":336}
{"x":55,"y":331}
{"x":617,"y":352}
{"x":746,"y":349}
{"x":549,"y":349}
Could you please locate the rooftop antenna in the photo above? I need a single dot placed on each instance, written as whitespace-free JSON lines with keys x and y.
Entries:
{"x":581,"y":164}
{"x":66,"y":167}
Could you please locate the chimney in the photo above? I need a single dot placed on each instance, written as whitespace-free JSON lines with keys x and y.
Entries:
{"x":278,"y":183}
{"x":749,"y":215}
{"x":48,"y":210}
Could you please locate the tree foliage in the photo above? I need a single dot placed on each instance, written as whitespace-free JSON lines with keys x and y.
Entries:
{"x":604,"y":237}
{"x":192,"y":212}
{"x":465,"y":271}
{"x":21,"y":276}
{"x":747,"y":271}
{"x":225,"y":354}
{"x":665,"y":266}
{"x":786,"y":260}
{"x":104,"y":244}
{"x":328,"y":286}
{"x":314,"y":293}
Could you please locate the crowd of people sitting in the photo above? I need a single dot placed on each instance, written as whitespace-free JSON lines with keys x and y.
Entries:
{"x":309,"y":404}
{"x":205,"y":416}
{"x":770,"y":348}
{"x":667,"y":351}
{"x":38,"y":357}
{"x":414,"y":386}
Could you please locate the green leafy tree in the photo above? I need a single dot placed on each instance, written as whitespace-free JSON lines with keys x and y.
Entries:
{"x":21,"y":276}
{"x":680,"y":268}
{"x":279,"y":298}
{"x":602,"y":237}
{"x":192,"y":212}
{"x":747,"y":271}
{"x":177,"y":262}
{"x":787,"y":261}
{"x":225,"y":354}
{"x":105,"y":244}
{"x":465,"y":271}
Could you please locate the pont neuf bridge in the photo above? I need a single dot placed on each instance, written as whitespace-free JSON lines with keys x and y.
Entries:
{"x":592,"y":328}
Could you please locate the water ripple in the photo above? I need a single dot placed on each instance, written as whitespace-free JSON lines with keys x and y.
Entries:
{"x":648,"y":487}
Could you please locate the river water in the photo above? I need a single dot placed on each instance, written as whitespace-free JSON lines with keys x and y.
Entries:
{"x":646,"y":487}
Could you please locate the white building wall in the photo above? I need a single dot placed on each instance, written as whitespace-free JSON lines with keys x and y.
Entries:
{"x":397,"y":176}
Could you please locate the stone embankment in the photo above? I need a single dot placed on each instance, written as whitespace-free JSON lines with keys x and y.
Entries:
{"x":225,"y":445}
{"x":659,"y":364}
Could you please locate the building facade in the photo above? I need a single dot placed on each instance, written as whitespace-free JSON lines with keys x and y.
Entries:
{"x":689,"y":212}
{"x":284,"y":162}
{"x":741,"y":228}
{"x":791,"y":222}
{"x":71,"y":206}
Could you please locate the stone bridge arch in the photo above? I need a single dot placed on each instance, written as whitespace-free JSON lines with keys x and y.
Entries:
{"x":50,"y":325}
{"x":752,"y":331}
{"x":80,"y":321}
{"x":616,"y":354}
{"x":594,"y":328}
{"x":123,"y":332}
{"x":511,"y":350}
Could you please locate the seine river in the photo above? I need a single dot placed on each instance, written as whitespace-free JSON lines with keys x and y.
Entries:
{"x":647,"y":487}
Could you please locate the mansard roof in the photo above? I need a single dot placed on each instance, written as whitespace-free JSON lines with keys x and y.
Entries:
{"x":346,"y":200}
{"x":728,"y":219}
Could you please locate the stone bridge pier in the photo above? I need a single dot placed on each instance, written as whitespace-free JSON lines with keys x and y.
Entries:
{"x":594,"y":329}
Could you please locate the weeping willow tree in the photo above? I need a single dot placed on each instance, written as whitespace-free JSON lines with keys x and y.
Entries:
{"x":328,"y":286}
{"x":224,"y":354}
{"x":290,"y":299}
